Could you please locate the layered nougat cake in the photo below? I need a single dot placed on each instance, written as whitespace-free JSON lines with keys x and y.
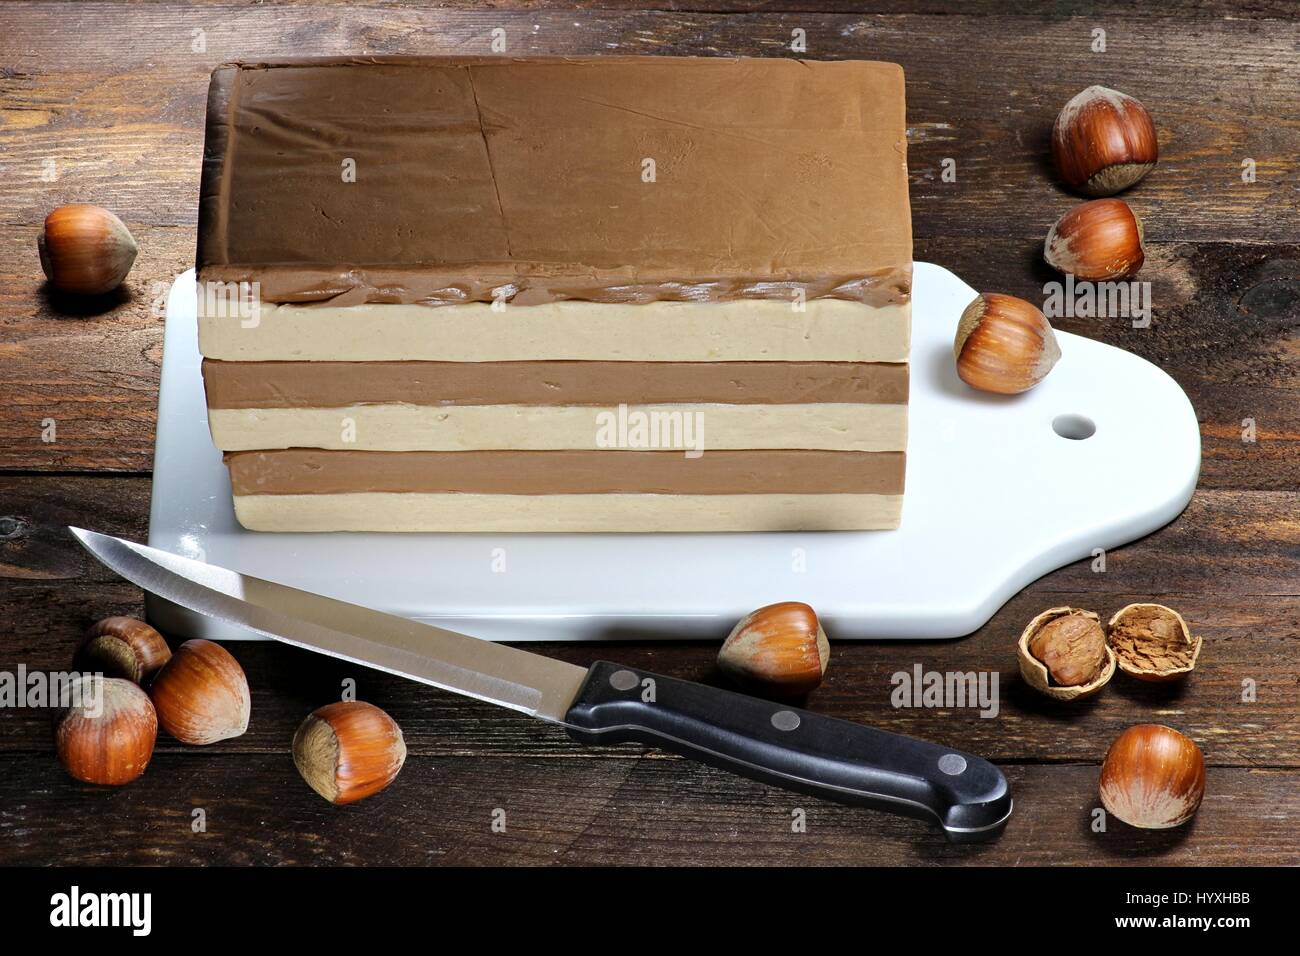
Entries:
{"x":594,"y":294}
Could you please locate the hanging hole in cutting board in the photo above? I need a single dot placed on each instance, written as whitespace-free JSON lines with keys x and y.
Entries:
{"x":1074,"y":427}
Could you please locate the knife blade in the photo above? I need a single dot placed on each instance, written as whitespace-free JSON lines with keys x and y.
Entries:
{"x":604,"y":704}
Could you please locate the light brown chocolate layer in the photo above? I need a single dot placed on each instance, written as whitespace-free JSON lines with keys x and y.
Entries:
{"x":308,"y":471}
{"x":609,"y":179}
{"x":338,"y":384}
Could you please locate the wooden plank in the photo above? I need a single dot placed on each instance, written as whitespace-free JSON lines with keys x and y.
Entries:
{"x":80,"y":388}
{"x":631,"y":809}
{"x":35,"y":546}
{"x":1173,"y":10}
{"x":1230,"y":565}
{"x":1224,"y":316}
{"x":1240,"y":645}
{"x":138,"y":105}
{"x":113,"y":94}
{"x":1225,"y":324}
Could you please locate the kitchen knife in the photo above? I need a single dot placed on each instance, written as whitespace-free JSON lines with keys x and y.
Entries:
{"x":604,"y":704}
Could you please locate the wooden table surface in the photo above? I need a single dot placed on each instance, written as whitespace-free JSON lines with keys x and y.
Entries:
{"x":103,"y":102}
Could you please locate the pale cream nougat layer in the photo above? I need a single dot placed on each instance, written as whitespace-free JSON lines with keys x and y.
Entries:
{"x":469,"y":513}
{"x":824,"y":330}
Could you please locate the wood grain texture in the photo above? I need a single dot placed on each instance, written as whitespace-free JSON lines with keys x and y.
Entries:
{"x":990,"y":108}
{"x":124,"y":128}
{"x":113,"y":95}
{"x":627,"y":809}
{"x":1225,"y":315}
{"x":1176,"y":10}
{"x":1230,"y":565}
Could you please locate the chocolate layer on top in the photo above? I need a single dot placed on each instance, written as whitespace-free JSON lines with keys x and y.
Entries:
{"x":309,"y":471}
{"x":335,"y":384}
{"x":624,"y":179}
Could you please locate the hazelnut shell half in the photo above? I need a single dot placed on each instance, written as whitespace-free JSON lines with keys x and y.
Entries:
{"x":1152,"y":642}
{"x":1035,"y":671}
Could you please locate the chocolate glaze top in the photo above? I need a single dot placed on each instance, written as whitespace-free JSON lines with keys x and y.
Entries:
{"x":531,"y":180}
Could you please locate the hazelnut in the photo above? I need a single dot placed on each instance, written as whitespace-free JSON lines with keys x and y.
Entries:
{"x":1063,"y":654}
{"x":1153,"y":643}
{"x":348,"y":751}
{"x":85,"y":249}
{"x":1099,"y":240}
{"x":123,"y":647}
{"x":1072,"y":647}
{"x":106,"y":734}
{"x":1153,"y":777}
{"x":779,"y":650}
{"x":1004,"y":345}
{"x":201,"y":694}
{"x":1103,"y":142}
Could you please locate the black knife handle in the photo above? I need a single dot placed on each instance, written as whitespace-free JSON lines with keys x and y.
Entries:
{"x":793,"y":749}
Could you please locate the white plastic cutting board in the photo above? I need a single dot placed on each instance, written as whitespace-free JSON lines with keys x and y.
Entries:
{"x":995,"y":498}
